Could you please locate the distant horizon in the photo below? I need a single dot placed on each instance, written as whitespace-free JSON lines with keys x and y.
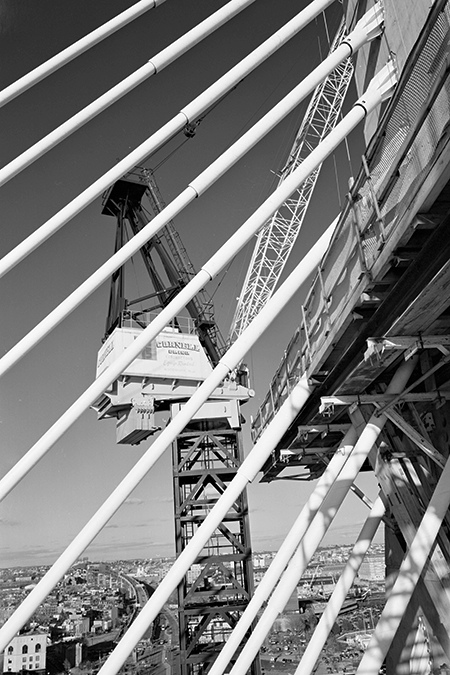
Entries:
{"x":171,"y":557}
{"x":341,"y":533}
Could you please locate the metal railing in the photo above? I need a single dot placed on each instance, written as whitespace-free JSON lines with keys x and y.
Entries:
{"x":394,"y":162}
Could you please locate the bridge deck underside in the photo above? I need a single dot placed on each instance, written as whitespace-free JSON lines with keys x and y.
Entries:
{"x":382,"y":295}
{"x":385,"y":275}
{"x":411,"y":300}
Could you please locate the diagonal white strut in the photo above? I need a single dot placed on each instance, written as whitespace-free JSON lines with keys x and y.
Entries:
{"x":79,"y":47}
{"x":153,"y":66}
{"x":321,"y":523}
{"x":334,"y":605}
{"x":356,"y":39}
{"x":379,"y":88}
{"x":188,"y":114}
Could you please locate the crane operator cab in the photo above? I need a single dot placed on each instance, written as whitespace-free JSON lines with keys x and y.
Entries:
{"x":162,"y":378}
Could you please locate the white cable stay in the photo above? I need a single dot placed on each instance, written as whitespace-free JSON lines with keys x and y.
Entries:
{"x":153,"y":66}
{"x":408,"y":577}
{"x":354,"y":41}
{"x":345,"y":582}
{"x":379,"y":89}
{"x":287,"y":549}
{"x":188,"y":114}
{"x":157,"y":448}
{"x":276,"y":239}
{"x":66,"y":55}
{"x":318,"y":529}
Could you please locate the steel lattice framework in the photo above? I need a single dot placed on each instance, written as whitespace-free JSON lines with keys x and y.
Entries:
{"x":277,"y":237}
{"x":219,"y":586}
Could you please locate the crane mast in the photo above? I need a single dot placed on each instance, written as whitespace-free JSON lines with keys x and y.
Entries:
{"x":277,"y":238}
{"x":208,"y":453}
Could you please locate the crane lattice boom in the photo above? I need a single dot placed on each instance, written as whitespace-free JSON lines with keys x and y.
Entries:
{"x":277,"y":237}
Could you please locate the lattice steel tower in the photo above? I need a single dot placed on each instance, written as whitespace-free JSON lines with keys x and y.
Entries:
{"x":207,"y":455}
{"x":276,"y":239}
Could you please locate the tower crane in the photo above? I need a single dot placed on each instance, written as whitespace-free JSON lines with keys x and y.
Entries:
{"x":207,"y":455}
{"x":209,"y":452}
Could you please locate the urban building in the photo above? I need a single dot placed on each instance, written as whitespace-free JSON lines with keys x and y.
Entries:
{"x":25,"y":652}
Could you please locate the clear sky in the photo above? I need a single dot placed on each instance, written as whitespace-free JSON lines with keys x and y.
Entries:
{"x":40,"y":517}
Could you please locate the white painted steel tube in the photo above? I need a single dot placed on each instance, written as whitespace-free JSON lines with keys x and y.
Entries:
{"x":284,"y":107}
{"x":408,"y":577}
{"x":334,"y":604}
{"x":321,"y":523}
{"x":285,"y":552}
{"x":233,"y":356}
{"x":190,"y":112}
{"x":195,"y":188}
{"x":96,"y":389}
{"x":247,"y":471}
{"x":209,"y":271}
{"x":153,"y":66}
{"x":53,"y":64}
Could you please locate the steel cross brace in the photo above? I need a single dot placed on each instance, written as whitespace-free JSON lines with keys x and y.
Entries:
{"x":328,"y":402}
{"x":378,"y":399}
{"x":419,"y":440}
{"x":432,"y":594}
{"x":411,"y":344}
